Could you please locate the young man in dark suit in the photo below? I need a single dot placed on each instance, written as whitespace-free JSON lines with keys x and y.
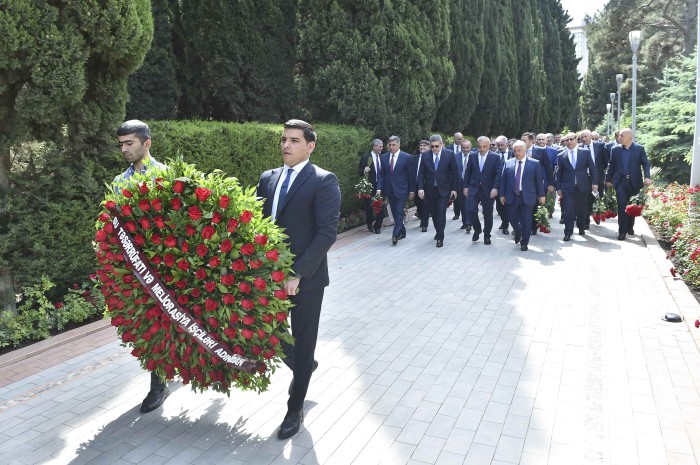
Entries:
{"x":304,"y":200}
{"x":461,"y":158}
{"x":398,"y":182}
{"x":370,"y":165}
{"x":627,"y":161}
{"x":482,"y":178}
{"x":601,"y":157}
{"x":522,"y":186}
{"x":438,"y":181}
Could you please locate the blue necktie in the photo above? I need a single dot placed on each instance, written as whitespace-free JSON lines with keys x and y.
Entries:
{"x":283,"y":192}
{"x":437,"y":162}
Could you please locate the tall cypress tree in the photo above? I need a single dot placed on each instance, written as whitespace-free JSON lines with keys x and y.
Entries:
{"x":506,"y":117}
{"x":525,"y":53}
{"x":554,"y":84}
{"x":539,"y":78}
{"x":571,"y":83}
{"x":467,"y":55}
{"x":238,"y":59}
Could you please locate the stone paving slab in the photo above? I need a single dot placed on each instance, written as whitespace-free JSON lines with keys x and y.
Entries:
{"x":469,"y":354}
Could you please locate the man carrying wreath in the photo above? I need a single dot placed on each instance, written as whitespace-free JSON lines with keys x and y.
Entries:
{"x":370,"y":167}
{"x":134,"y":138}
{"x":304,"y":200}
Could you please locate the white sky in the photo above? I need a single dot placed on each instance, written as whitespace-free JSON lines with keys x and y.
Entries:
{"x":579,"y":8}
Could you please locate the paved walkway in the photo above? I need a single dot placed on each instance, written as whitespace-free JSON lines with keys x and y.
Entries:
{"x":467,"y":354}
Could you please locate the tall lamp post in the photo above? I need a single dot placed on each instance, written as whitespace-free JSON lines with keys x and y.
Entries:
{"x":612,"y":111}
{"x":607,"y":115}
{"x":618,"y":78}
{"x":635,"y":39}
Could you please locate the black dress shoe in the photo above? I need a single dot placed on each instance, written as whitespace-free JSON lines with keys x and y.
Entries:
{"x":377,"y":231}
{"x":402,"y":235}
{"x":290,"y":391}
{"x":567,"y":237}
{"x":503,"y":226}
{"x":561,"y":221}
{"x":438,"y":243}
{"x":469,"y":228}
{"x":464,"y":226}
{"x":517,"y":238}
{"x":394,"y":240}
{"x":291,"y":424}
{"x":630,"y":232}
{"x":523,"y":247}
{"x":621,"y":237}
{"x":475,"y":236}
{"x":505,"y":230}
{"x":581,"y":231}
{"x":456,"y":217}
{"x":423,"y":229}
{"x":487,"y":240}
{"x":533,"y":232}
{"x":154,"y":399}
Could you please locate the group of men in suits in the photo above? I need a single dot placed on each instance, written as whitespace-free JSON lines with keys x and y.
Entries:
{"x":474,"y":177}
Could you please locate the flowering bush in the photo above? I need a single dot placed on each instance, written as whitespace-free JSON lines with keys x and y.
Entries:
{"x":205,"y":238}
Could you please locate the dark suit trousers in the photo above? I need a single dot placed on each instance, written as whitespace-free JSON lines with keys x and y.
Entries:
{"x":156,"y":382}
{"x":397,"y":205}
{"x":575,"y":206}
{"x":502,"y":213}
{"x":419,"y":207}
{"x":486,"y":206}
{"x":437,"y":206}
{"x":624,"y":191}
{"x":461,"y":204}
{"x":374,"y":221}
{"x":306,"y":313}
{"x":520,"y":217}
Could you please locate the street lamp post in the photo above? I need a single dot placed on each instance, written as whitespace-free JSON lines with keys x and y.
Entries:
{"x":618,"y":78}
{"x":635,"y":39}
{"x":607,"y":115}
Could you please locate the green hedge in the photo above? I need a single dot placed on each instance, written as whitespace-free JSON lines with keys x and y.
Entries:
{"x":245,"y":150}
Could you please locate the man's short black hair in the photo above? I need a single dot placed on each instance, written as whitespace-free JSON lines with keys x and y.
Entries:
{"x":309,"y":132}
{"x":136,"y":127}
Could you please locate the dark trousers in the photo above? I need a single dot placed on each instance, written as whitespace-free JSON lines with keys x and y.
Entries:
{"x":419,"y":206}
{"x":460,"y":205}
{"x":373,"y":221}
{"x":156,"y":382}
{"x":502,"y":213}
{"x":624,"y":191}
{"x":397,"y":205}
{"x":437,"y":206}
{"x":474,"y":199}
{"x":575,"y":206}
{"x":306,"y":314}
{"x":457,"y":208}
{"x":520,"y":217}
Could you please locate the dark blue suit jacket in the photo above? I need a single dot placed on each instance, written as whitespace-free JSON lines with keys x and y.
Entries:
{"x":372,"y":175}
{"x":486,"y":179}
{"x":309,"y":217}
{"x":638,"y":159}
{"x":460,"y":165}
{"x":566,"y":177}
{"x":532,"y":181}
{"x":446,"y":175}
{"x":540,"y":154}
{"x":402,"y":180}
{"x":601,"y":157}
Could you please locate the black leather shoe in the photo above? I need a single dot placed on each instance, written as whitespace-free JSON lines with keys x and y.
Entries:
{"x":154,"y":399}
{"x":475,"y":236}
{"x":456,"y":217}
{"x":377,"y":231}
{"x":523,"y":247}
{"x":290,"y":391}
{"x":561,"y":221}
{"x":505,"y":230}
{"x":402,"y":235}
{"x":567,"y":237}
{"x":630,"y":232}
{"x":369,"y":227}
{"x":503,"y":226}
{"x":438,"y":243}
{"x":291,"y":424}
{"x":487,"y":240}
{"x":533,"y":232}
{"x":394,"y":240}
{"x":621,"y":237}
{"x":581,"y":231}
{"x":469,"y":228}
{"x":517,"y":238}
{"x":464,"y":226}
{"x":423,"y":229}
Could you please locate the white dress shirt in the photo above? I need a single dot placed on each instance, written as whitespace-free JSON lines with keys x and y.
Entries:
{"x":295,"y":171}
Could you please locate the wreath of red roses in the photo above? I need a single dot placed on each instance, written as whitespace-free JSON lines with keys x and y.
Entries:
{"x":205,"y":238}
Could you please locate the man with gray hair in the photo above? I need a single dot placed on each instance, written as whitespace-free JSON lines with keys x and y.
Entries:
{"x":370,"y":165}
{"x":397,"y":181}
{"x":482,"y":177}
{"x":437,"y":183}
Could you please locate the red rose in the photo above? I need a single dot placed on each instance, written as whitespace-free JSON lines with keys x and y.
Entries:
{"x":261,"y":239}
{"x":281,"y":316}
{"x":277,"y":276}
{"x":101,"y":236}
{"x":234,"y":318}
{"x":264,"y":302}
{"x":224,"y":201}
{"x":260,"y":284}
{"x":229,"y":299}
{"x":179,"y":187}
{"x":269,"y":353}
{"x":247,"y":249}
{"x":210,"y":286}
{"x":170,"y":241}
{"x":156,"y":239}
{"x":697,"y":323}
{"x":202,"y":250}
{"x":238,"y":265}
{"x":156,"y":260}
{"x":195,"y":293}
{"x":183,"y":265}
{"x":145,"y":224}
{"x":183,"y":299}
{"x":255,"y":264}
{"x":139,"y":240}
{"x":127,"y":193}
{"x":175,"y":204}
{"x":216,"y":218}
{"x":181,"y":284}
{"x":280,"y":294}
{"x":110,"y":205}
{"x":247,"y":304}
{"x":230,"y":332}
{"x":158,"y":221}
{"x":144,"y":205}
{"x":272,"y":255}
{"x":58,"y":305}
{"x":194,"y":212}
{"x":228,"y":280}
{"x":200,"y":274}
{"x":185,"y":247}
{"x":274,"y":340}
{"x":268,"y":318}
{"x":214,"y":262}
{"x":256,"y":350}
{"x":247,"y":333}
{"x":202,"y":194}
{"x":213,"y":322}
{"x":157,"y":205}
{"x":104,"y":217}
{"x":126,"y":210}
{"x":232,"y":225}
{"x":143,"y":188}
{"x":210,"y":305}
{"x":246,"y":216}
{"x":226,"y":246}
{"x":159,"y":183}
{"x":244,"y":288}
{"x":190,"y":230}
{"x":130,"y":226}
{"x":208,"y":232}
